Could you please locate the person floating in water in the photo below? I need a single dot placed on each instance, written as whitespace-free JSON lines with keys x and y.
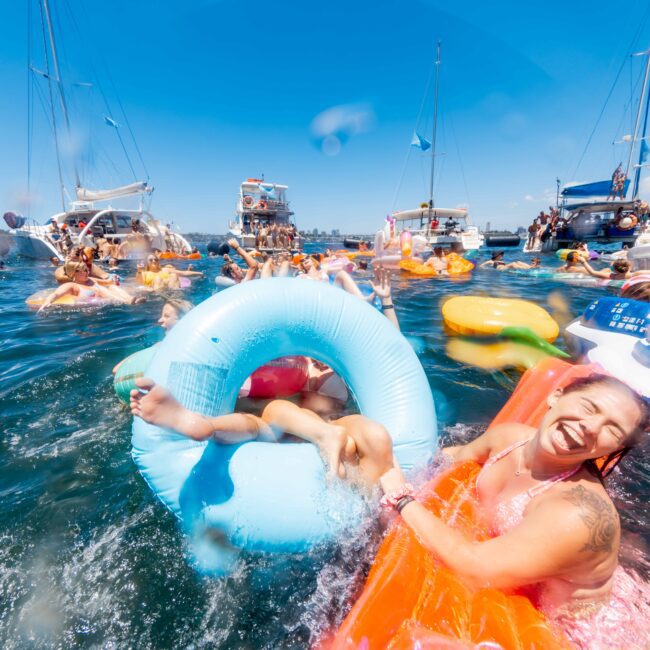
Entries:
{"x":556,"y":532}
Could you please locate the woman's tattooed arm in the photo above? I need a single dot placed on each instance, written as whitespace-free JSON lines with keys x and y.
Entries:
{"x":599,"y":517}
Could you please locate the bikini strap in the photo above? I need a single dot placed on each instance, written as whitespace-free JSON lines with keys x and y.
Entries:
{"x":545,"y":485}
{"x":497,"y":457}
{"x":504,"y":452}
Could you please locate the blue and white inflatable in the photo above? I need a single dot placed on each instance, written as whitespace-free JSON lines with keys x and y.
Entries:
{"x":608,"y":320}
{"x":265,"y":496}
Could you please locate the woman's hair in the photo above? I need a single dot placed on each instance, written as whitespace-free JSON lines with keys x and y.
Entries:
{"x":572,"y":257}
{"x":181,"y":306}
{"x":71,"y":267}
{"x":621,"y":266}
{"x":603,"y":466}
{"x":637,"y":291}
{"x":226,"y":269}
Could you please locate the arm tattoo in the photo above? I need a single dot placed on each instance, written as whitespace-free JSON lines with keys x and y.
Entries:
{"x":598,"y":516}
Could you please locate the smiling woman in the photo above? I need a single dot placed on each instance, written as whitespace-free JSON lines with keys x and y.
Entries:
{"x":556,"y":533}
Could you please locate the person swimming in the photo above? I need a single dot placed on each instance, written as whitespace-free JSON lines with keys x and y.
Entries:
{"x":86,"y":289}
{"x":573,"y":264}
{"x":173,"y":310}
{"x":496,"y":261}
{"x":156,"y":277}
{"x":232,"y":270}
{"x":556,"y":530}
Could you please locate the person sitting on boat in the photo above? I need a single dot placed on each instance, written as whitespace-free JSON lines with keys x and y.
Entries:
{"x":573,"y":264}
{"x":495,"y":261}
{"x":156,"y":277}
{"x":80,"y":284}
{"x":450,"y":225}
{"x":556,"y":532}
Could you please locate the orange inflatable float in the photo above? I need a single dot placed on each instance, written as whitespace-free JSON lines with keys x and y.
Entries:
{"x":169,"y":255}
{"x":412,"y":601}
{"x":456,"y":264}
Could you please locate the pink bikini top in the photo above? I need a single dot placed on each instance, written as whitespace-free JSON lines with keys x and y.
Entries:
{"x":510,"y":512}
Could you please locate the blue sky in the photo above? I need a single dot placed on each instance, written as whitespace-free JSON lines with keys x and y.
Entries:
{"x":217,"y":91}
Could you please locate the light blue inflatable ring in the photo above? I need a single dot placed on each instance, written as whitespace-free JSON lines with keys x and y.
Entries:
{"x":265,"y":496}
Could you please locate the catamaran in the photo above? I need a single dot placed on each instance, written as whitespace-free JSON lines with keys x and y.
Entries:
{"x":86,"y":221}
{"x":447,"y":227}
{"x":261,"y":206}
{"x":600,"y":212}
{"x":82,"y":217}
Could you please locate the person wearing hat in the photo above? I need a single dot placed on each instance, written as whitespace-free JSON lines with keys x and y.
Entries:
{"x":495,"y":261}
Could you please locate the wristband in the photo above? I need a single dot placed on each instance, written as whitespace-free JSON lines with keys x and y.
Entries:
{"x":388,"y":306}
{"x":403,"y":502}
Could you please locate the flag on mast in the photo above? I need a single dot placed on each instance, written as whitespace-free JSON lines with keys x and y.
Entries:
{"x":110,"y":122}
{"x":420,"y":142}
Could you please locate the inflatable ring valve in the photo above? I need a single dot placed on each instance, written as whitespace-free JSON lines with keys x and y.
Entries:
{"x":264,"y":496}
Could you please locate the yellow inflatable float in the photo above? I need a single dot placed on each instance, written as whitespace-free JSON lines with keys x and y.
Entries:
{"x":456,"y":265}
{"x":476,"y":315}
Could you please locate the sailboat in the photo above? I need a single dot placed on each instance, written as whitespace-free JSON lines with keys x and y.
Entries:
{"x":89,"y":214}
{"x":601,"y":211}
{"x":447,"y":227}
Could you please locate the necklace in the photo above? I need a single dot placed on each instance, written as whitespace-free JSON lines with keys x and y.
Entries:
{"x":521,"y":455}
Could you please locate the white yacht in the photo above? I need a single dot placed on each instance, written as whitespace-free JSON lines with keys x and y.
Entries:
{"x":261,"y":204}
{"x":447,"y":227}
{"x":85,"y":221}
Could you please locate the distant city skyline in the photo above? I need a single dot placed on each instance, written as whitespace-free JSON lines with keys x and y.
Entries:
{"x":325,"y":99}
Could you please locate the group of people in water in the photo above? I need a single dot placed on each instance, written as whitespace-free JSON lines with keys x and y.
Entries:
{"x":556,"y":532}
{"x":81,"y":276}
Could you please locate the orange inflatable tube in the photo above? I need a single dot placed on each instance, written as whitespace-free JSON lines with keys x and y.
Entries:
{"x":410,"y":600}
{"x":168,"y":255}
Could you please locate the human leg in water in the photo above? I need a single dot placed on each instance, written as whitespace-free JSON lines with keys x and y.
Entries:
{"x":345,"y":282}
{"x":353,"y":439}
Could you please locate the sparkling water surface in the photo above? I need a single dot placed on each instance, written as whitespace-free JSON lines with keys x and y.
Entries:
{"x":90,"y":558}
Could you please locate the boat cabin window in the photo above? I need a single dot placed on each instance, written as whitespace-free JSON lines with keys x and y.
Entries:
{"x":123,"y":222}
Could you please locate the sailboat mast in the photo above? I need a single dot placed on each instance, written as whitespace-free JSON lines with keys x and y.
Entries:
{"x":639,"y":110}
{"x":637,"y":173}
{"x":57,"y":74}
{"x":435,"y":125}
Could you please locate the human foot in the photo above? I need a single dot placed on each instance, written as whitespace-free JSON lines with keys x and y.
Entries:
{"x":158,"y":406}
{"x":332,"y":447}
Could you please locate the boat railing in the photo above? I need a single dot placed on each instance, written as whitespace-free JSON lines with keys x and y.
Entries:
{"x":270,"y":205}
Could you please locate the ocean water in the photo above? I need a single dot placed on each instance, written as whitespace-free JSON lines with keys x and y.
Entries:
{"x":89,"y":557}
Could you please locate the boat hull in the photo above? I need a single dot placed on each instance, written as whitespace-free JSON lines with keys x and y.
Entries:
{"x":28,"y":245}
